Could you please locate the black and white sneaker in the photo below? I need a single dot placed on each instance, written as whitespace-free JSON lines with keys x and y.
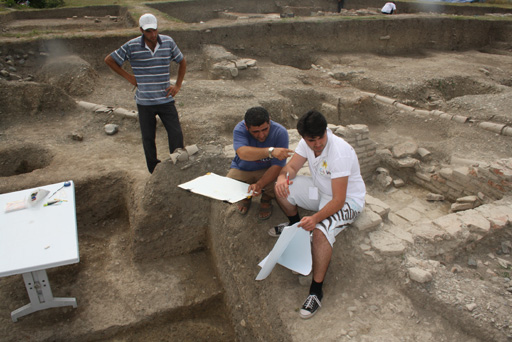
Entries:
{"x":277,"y":230}
{"x":310,"y":306}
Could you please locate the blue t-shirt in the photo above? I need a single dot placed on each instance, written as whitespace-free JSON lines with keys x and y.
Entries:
{"x":277,"y":137}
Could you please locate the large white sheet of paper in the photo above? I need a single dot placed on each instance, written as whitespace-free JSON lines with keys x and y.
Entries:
{"x":218,"y":187}
{"x":292,"y":250}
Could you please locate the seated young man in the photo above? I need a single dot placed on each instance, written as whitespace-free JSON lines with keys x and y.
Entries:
{"x":261,"y":147}
{"x":335,"y":192}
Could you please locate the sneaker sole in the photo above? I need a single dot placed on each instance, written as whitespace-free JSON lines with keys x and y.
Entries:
{"x":308,"y":316}
{"x":272,"y":232}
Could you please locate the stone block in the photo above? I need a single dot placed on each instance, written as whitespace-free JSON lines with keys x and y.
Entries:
{"x":475,"y":222}
{"x":401,"y":233}
{"x":407,"y":162}
{"x":409,"y":214}
{"x":386,"y":243}
{"x":427,"y":231}
{"x":398,"y":183}
{"x":419,"y":275}
{"x":367,"y":220}
{"x":377,"y":206}
{"x":461,"y":206}
{"x":435,"y":197}
{"x":450,"y":224}
{"x":424,"y":176}
{"x":404,"y":149}
{"x":191,"y":149}
{"x":358,"y":129}
{"x":446,"y":173}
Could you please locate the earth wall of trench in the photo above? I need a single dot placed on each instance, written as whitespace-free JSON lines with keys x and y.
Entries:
{"x":295,"y":42}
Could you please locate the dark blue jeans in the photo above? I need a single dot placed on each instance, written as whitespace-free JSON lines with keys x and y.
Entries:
{"x":147,"y":121}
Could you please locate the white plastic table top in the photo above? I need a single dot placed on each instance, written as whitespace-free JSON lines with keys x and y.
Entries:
{"x":38,"y":237}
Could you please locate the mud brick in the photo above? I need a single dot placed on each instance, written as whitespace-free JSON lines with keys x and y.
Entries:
{"x":449,"y":223}
{"x":366,"y":142}
{"x":359,"y":129}
{"x":446,"y":173}
{"x":501,"y":171}
{"x":363,"y":136}
{"x":456,"y":186}
{"x":461,"y":206}
{"x":427,"y":231}
{"x":386,"y":243}
{"x":367,"y":220}
{"x":499,"y":216}
{"x":455,"y":193}
{"x":351,"y":141}
{"x":341,"y":131}
{"x":461,"y":173}
{"x":425,"y":176}
{"x":359,"y":150}
{"x":475,"y":222}
{"x":409,"y":214}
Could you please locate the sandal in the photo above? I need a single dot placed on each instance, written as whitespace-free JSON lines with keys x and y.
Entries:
{"x":243,"y":206}
{"x":265,"y":212}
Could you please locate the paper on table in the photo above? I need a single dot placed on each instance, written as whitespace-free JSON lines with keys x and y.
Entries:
{"x":292,"y":250}
{"x":217,"y":187}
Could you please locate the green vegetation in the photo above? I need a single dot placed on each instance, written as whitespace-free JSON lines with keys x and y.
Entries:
{"x":33,"y":3}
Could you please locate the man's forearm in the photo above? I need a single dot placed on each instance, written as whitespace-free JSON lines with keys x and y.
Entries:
{"x":120,"y":71}
{"x":270,"y":175}
{"x":250,"y":153}
{"x":182,"y":69}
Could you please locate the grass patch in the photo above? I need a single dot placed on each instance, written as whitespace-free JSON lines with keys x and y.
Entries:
{"x":83,"y":3}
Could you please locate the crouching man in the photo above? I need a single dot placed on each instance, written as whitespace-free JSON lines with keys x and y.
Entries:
{"x":261,"y":147}
{"x":335,"y":191}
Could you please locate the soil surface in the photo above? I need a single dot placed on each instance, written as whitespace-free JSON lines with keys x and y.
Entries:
{"x":128,"y":290}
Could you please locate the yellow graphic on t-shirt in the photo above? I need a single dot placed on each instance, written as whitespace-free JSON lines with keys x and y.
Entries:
{"x":323,"y":169}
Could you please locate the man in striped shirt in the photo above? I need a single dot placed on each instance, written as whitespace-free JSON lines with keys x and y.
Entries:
{"x":150,"y":56}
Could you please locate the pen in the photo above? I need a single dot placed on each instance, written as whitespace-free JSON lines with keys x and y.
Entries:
{"x":288,"y":178}
{"x":51,"y":203}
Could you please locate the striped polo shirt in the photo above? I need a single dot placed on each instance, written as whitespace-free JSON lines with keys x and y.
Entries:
{"x":151,"y":69}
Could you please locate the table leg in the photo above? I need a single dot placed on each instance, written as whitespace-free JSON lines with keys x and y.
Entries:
{"x":40,"y":294}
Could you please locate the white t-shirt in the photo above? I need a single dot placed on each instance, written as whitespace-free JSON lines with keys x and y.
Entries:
{"x":338,"y":159}
{"x":388,"y":7}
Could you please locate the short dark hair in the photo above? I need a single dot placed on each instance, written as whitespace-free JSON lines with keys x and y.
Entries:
{"x":312,"y":124}
{"x":256,"y":116}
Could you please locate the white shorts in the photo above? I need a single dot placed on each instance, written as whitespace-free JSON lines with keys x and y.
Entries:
{"x":300,"y":191}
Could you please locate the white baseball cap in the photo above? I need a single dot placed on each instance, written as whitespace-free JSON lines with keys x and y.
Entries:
{"x":148,"y":21}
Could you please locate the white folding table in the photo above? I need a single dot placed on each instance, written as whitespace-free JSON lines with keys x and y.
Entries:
{"x":37,"y":238}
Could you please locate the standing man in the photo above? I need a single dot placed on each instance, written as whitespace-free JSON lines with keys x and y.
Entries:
{"x":340,"y":5}
{"x":335,"y":191}
{"x":261,"y":147}
{"x":150,"y":57}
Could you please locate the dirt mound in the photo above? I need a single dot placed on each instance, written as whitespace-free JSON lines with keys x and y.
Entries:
{"x":22,"y":98}
{"x":70,"y":73}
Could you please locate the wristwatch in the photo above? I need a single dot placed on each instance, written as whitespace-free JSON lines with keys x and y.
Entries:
{"x":270,"y":150}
